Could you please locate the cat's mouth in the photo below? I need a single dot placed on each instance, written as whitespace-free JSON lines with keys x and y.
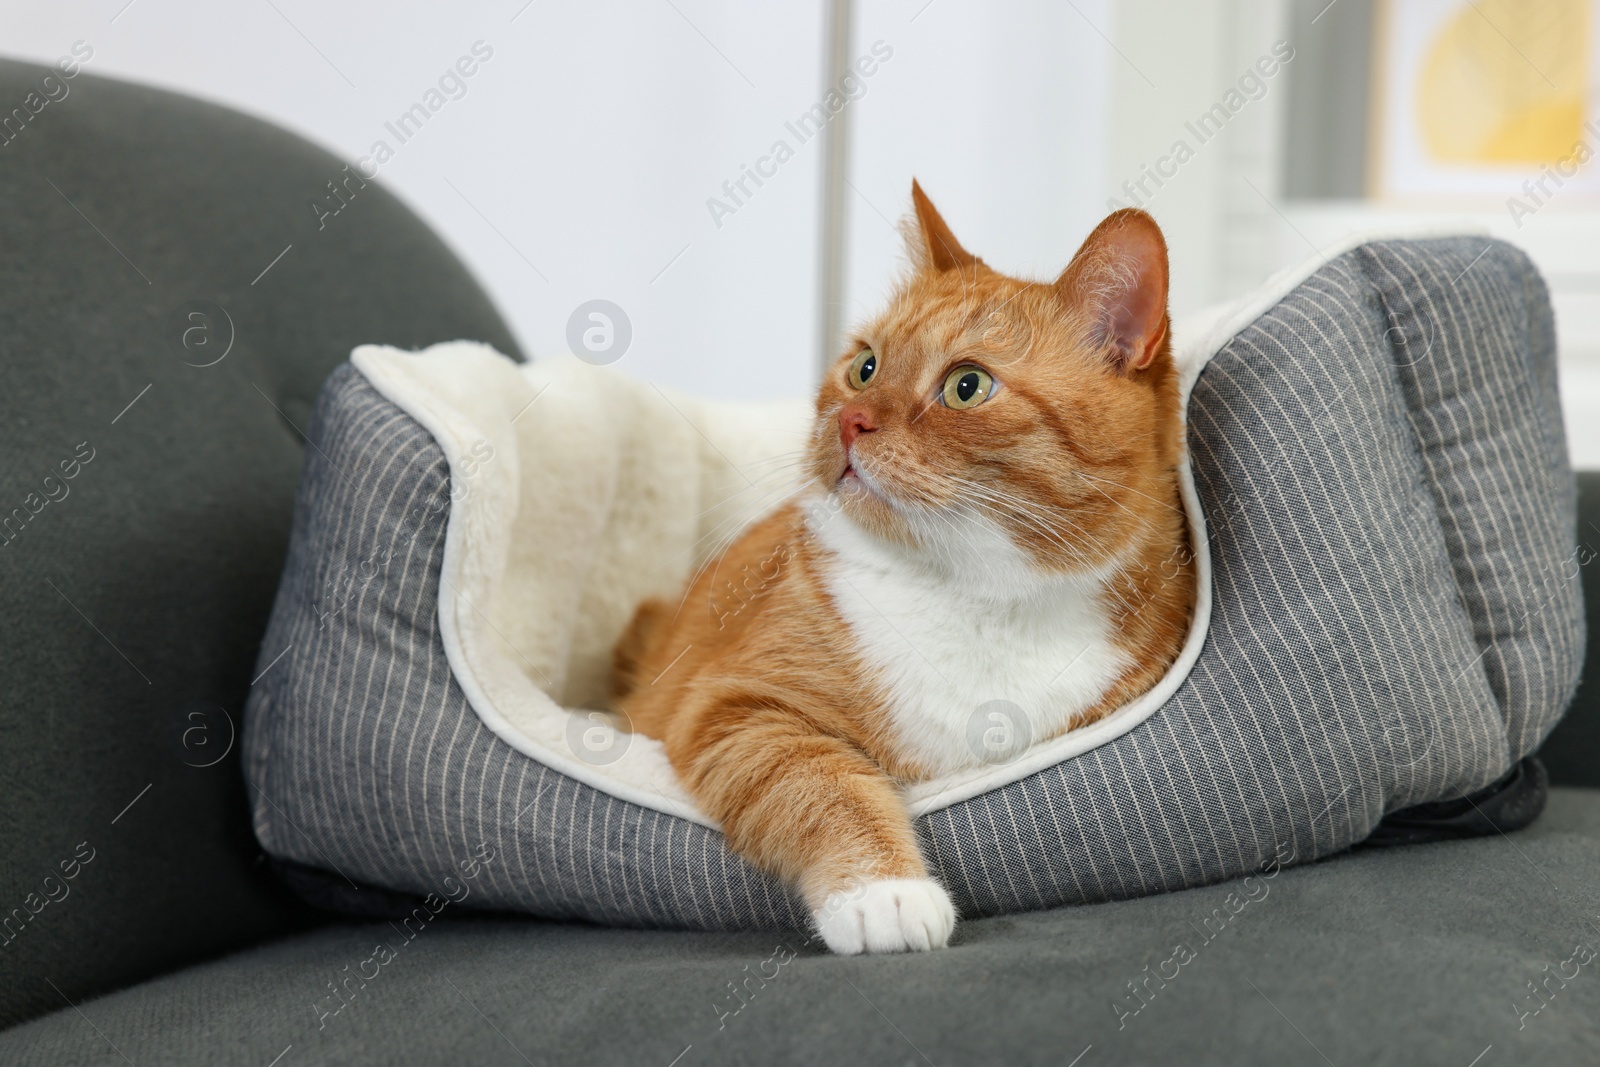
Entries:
{"x":863,"y":477}
{"x":853,"y":479}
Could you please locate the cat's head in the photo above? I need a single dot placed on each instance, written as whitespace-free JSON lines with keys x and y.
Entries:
{"x":978,"y":406}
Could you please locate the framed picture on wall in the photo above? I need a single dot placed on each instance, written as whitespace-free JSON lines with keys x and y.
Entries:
{"x":1486,"y":100}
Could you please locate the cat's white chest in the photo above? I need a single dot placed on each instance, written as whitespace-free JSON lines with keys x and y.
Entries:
{"x":971,"y":675}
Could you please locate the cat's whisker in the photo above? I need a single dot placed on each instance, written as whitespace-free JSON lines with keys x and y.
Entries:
{"x":800,"y":451}
{"x":1169,"y":506}
{"x":1075,"y":553}
{"x":1141,"y":520}
{"x":1003,"y":509}
{"x":1030,"y":515}
{"x":1056,"y":514}
{"x":735,"y":525}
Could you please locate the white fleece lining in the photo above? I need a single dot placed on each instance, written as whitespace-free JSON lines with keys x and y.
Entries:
{"x":532,"y":597}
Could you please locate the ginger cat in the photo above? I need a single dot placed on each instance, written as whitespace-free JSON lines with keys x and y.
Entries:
{"x":991,"y":513}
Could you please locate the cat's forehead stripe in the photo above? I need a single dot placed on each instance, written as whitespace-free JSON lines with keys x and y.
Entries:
{"x":940,"y":325}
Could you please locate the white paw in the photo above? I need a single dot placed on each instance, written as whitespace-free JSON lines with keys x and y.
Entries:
{"x":890,"y":915}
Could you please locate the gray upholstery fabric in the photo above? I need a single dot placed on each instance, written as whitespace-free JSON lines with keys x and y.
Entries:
{"x":134,"y":601}
{"x":1412,"y":957}
{"x":1382,"y":464}
{"x":1572,"y":750}
{"x":1406,"y":957}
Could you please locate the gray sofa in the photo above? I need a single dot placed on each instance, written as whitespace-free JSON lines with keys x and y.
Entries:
{"x":169,"y":306}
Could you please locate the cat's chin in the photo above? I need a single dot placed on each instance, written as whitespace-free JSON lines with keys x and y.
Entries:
{"x":865,"y":510}
{"x":854,"y":488}
{"x":862,"y":501}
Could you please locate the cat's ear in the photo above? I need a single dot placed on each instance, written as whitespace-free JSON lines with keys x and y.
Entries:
{"x":1119,"y":277}
{"x":933,"y":247}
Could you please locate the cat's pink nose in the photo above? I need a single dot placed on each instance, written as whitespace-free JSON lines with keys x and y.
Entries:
{"x":853,"y":422}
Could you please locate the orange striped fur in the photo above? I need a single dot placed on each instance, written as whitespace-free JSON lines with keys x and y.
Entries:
{"x":790,"y":713}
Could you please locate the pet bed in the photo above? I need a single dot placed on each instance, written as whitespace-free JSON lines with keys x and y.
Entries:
{"x":1383,"y":513}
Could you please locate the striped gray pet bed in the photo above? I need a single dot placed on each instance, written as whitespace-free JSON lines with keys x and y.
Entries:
{"x":1378,"y":478}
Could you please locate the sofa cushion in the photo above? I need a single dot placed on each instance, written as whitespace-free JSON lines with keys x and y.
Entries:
{"x":154,"y":468}
{"x":1411,"y":956}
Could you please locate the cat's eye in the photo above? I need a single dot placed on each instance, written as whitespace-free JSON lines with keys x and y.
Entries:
{"x":967,"y":387}
{"x":863,"y":367}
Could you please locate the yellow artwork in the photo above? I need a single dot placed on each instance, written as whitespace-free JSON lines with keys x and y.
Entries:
{"x":1503,"y":82}
{"x":1483,"y":100}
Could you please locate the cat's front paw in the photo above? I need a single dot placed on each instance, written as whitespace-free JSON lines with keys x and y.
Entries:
{"x":888,"y":915}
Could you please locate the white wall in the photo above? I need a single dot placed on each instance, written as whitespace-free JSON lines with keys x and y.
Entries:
{"x":593,"y":138}
{"x":1001,"y":112}
{"x":590,"y":140}
{"x":1228,"y":222}
{"x":580,"y":161}
{"x":1175,"y":62}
